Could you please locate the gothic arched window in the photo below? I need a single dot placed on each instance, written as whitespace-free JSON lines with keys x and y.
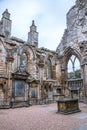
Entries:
{"x":74,"y":70}
{"x":24,"y":60}
{"x":49,"y":69}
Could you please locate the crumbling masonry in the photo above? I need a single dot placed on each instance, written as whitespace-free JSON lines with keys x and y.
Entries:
{"x":29,"y":74}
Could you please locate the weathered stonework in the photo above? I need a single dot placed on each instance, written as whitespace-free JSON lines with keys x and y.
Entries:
{"x":29,"y":74}
{"x":74,"y":40}
{"x":19,"y":84}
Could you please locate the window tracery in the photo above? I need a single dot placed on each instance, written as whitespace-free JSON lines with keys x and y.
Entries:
{"x":24,"y":60}
{"x":49,"y":69}
{"x":74,"y":70}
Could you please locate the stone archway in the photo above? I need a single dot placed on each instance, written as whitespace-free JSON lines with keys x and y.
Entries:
{"x":29,"y":55}
{"x":20,"y":88}
{"x":74,"y":68}
{"x":25,"y":60}
{"x":74,"y":85}
{"x":75,"y":82}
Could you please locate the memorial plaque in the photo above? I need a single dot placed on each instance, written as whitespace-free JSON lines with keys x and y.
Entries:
{"x":19,"y":88}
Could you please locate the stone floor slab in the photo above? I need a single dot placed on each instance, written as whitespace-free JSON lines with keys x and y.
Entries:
{"x":81,"y":116}
{"x":81,"y":127}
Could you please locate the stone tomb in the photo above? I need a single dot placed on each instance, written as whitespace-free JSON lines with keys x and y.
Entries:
{"x":68,"y":106}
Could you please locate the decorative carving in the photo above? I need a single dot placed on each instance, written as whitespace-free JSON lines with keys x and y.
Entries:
{"x":41,"y":61}
{"x":20,"y":73}
{"x":81,"y":22}
{"x":10,"y":56}
{"x":86,"y":11}
{"x":83,"y":47}
{"x":80,"y":4}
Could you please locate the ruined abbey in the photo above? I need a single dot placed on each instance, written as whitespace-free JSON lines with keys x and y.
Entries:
{"x":33,"y":75}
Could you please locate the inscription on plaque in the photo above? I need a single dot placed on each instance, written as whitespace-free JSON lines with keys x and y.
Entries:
{"x":19,"y":88}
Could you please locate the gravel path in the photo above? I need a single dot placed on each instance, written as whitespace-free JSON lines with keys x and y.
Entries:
{"x":40,"y":117}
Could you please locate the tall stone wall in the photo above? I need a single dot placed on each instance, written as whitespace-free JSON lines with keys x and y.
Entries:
{"x":2,"y":59}
{"x":74,"y":40}
{"x":72,"y":18}
{"x":76,"y":30}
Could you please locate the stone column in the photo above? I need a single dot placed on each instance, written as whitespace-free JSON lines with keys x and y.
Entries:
{"x":85,"y":80}
{"x":41,"y":81}
{"x":83,"y":47}
{"x":9,"y":60}
{"x":40,"y":64}
{"x":38,"y":90}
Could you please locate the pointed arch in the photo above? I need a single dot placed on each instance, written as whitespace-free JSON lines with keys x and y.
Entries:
{"x":72,"y":56}
{"x":24,"y":60}
{"x":49,"y":64}
{"x":74,"y":69}
{"x":69,"y":52}
{"x":25,"y":48}
{"x":28,"y":52}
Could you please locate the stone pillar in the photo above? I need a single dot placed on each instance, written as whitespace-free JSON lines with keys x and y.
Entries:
{"x":40,"y":64}
{"x":9,"y":78}
{"x":41,"y":81}
{"x":9,"y":60}
{"x":38,"y":91}
{"x":85,"y":80}
{"x":83,"y":48}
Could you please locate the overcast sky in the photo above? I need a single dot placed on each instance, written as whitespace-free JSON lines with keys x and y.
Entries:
{"x":49,"y":16}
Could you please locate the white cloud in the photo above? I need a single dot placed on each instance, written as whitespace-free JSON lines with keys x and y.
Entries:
{"x":49,"y":16}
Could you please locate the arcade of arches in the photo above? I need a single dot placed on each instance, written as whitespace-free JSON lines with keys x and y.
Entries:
{"x":33,"y":75}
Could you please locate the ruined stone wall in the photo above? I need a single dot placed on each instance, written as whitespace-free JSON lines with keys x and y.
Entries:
{"x":72,"y":18}
{"x":74,"y":41}
{"x":76,"y":30}
{"x":2,"y":59}
{"x":82,"y":20}
{"x":52,"y":56}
